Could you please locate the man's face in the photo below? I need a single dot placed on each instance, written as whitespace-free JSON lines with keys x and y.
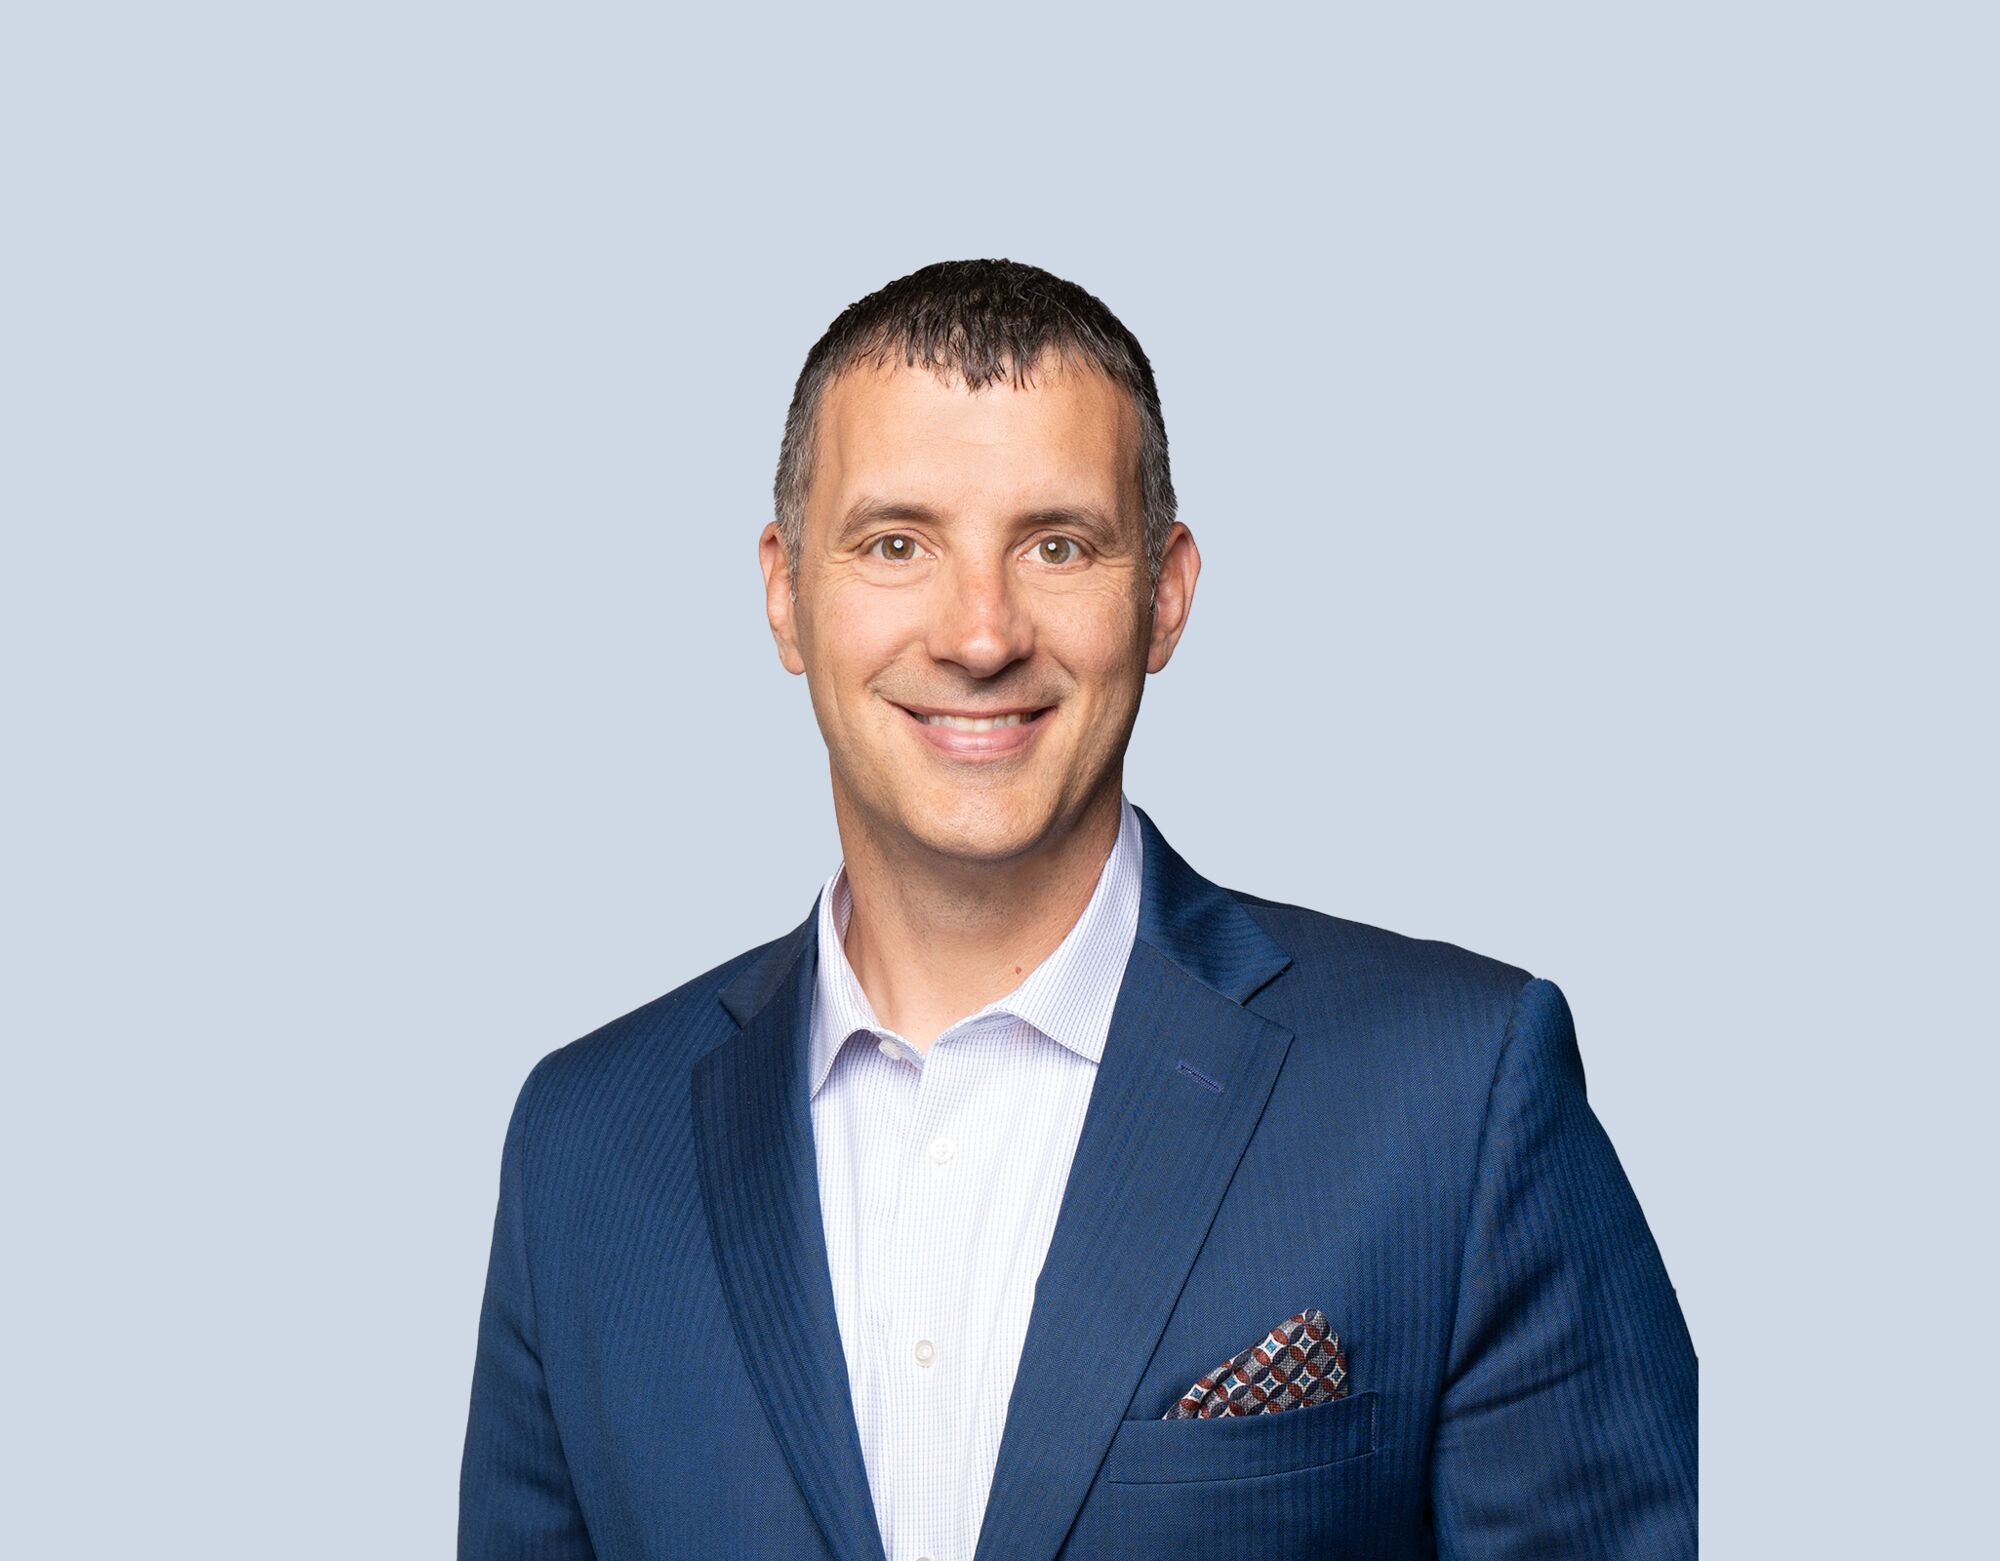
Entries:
{"x":975,"y":554}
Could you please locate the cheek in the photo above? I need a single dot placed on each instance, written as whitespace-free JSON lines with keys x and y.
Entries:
{"x":1102,"y":642}
{"x":853,"y":635}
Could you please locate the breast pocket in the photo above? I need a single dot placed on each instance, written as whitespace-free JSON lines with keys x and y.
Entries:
{"x":1237,"y":1447}
{"x":1290,"y":1482}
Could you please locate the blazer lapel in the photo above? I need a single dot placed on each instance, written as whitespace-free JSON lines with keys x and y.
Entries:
{"x":1184,"y":1078}
{"x":760,"y":1184}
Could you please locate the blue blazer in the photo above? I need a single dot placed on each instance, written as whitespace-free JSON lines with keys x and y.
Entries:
{"x":1291,"y":1111}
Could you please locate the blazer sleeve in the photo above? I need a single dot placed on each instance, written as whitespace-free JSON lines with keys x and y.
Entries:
{"x":515,"y":1498}
{"x":1567,"y":1424}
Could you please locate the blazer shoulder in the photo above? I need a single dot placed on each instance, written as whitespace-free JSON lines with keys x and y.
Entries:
{"x":1317,"y":939}
{"x":1409,"y":996}
{"x":664,"y":1035}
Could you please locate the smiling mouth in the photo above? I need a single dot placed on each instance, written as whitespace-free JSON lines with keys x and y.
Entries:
{"x":970,"y":723}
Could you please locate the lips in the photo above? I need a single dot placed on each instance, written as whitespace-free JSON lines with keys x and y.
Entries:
{"x":969,"y":736}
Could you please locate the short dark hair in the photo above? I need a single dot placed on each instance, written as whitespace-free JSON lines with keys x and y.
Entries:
{"x":977,"y":320}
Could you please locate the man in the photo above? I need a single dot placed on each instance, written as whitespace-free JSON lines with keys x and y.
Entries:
{"x":1034,"y":1195}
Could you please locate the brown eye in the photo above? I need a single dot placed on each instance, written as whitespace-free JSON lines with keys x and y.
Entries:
{"x":898,"y":549}
{"x":1057,"y":550}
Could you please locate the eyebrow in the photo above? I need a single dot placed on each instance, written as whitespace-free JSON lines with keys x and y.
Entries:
{"x":867,"y":511}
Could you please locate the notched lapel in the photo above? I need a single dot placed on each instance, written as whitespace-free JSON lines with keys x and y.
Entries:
{"x":1183,"y":1082}
{"x":760,"y":1186}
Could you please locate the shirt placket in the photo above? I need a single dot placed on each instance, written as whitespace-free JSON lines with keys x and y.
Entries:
{"x":927,"y":1350}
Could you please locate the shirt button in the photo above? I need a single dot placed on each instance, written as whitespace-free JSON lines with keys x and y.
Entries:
{"x":926,"y":1352}
{"x":889,"y":1048}
{"x":940,"y":1152}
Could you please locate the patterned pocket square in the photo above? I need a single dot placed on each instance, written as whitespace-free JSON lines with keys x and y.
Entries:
{"x":1298,"y":1362}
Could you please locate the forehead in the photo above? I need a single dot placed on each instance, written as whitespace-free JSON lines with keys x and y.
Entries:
{"x":906,"y":433}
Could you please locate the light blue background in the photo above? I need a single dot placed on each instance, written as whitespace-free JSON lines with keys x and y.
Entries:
{"x":1587,"y":418}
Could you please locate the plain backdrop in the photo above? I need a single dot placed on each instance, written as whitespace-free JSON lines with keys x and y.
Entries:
{"x":1586,"y":415}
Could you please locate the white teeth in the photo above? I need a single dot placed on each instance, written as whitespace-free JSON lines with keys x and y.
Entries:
{"x":959,"y":723}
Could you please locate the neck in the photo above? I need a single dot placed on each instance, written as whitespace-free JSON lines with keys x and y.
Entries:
{"x":933,"y":939}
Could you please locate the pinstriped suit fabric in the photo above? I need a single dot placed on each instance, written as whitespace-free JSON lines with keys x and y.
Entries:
{"x":1401,"y":1139}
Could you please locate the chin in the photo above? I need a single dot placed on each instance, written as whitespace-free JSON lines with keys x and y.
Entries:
{"x":988,"y":824}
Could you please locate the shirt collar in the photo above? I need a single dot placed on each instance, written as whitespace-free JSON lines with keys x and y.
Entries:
{"x":1068,"y":997}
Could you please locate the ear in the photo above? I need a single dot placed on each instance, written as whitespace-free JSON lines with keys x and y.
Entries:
{"x":1173,"y":596}
{"x":779,"y":605}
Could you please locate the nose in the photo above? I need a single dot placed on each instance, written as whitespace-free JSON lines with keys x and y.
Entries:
{"x":979,"y":616}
